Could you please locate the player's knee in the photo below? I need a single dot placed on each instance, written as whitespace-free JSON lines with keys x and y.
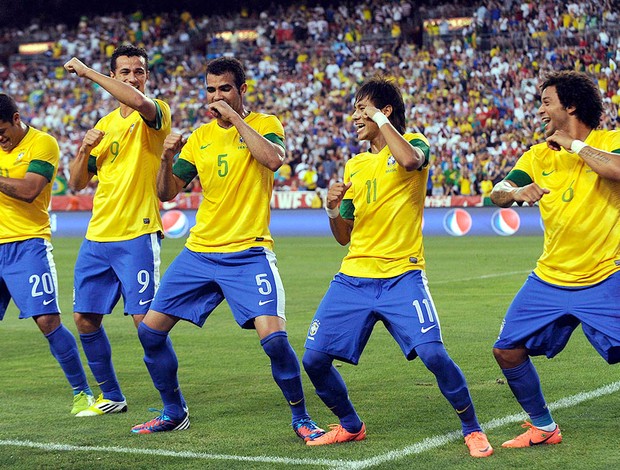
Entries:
{"x":316,"y":363}
{"x":276,"y":344}
{"x":433,"y":355}
{"x":151,"y":339}
{"x":509,"y":358}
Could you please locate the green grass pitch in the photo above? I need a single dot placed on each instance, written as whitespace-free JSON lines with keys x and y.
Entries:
{"x":239,"y":419}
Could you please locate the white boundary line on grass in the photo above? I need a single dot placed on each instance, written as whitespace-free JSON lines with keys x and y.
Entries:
{"x":417,"y":448}
{"x":477,"y":278}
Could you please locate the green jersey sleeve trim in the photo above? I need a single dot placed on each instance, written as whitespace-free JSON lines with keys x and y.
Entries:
{"x":42,"y":168}
{"x":92,"y":164}
{"x":276,"y":139}
{"x":519,"y":177}
{"x":347,"y":209}
{"x":616,"y":151}
{"x":184,"y":170}
{"x":419,"y":143}
{"x":158,"y":118}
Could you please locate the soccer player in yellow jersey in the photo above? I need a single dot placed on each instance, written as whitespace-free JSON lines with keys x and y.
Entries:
{"x":575,"y":178}
{"x":228,"y":254}
{"x":121,"y":252}
{"x":28,"y":164}
{"x":378,"y":211}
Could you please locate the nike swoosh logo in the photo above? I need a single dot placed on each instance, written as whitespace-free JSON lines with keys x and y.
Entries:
{"x":263,"y":302}
{"x":424,"y":330}
{"x":202,"y":147}
{"x":354,"y":173}
{"x":47,"y":302}
{"x":463,"y":410}
{"x":144,"y":302}
{"x":545,"y":173}
{"x":293,"y":403}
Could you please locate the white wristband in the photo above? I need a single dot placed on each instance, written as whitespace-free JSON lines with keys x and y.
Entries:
{"x":577,"y":146}
{"x":380,"y":119}
{"x":332,"y":213}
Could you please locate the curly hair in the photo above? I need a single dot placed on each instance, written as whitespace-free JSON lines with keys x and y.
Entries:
{"x":383,"y":91}
{"x":579,"y":90}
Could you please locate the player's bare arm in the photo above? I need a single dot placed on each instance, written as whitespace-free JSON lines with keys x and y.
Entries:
{"x":169,"y":185}
{"x":124,"y":84}
{"x":25,"y":189}
{"x":505,"y":193}
{"x":606,"y":164}
{"x":407,"y":156}
{"x":79,"y":176}
{"x":341,"y":228}
{"x":265,"y":152}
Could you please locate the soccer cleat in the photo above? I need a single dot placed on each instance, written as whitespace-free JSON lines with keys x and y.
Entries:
{"x":478,"y":444}
{"x":81,"y":401}
{"x":534,"y":437}
{"x":162,"y":423}
{"x":103,"y":406}
{"x":338,"y":434}
{"x":307,"y":429}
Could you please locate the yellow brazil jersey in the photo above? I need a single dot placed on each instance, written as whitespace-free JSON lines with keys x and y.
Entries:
{"x":387,"y":205}
{"x":19,"y":220}
{"x":126,"y":161}
{"x":234,"y":213}
{"x":581,"y":214}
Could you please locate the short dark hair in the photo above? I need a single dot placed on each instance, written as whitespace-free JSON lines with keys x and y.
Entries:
{"x":579,"y":90}
{"x":8,"y":108}
{"x":128,"y":50}
{"x":223,"y":65}
{"x":382,"y":91}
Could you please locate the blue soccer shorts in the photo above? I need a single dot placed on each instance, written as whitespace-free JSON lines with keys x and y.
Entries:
{"x":351,"y":306}
{"x":543,"y":316}
{"x":195,"y":283}
{"x":28,"y":275}
{"x":106,"y":270}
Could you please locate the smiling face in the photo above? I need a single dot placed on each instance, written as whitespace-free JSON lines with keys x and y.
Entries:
{"x":132,"y":70}
{"x":553,"y":115}
{"x":366,"y":128}
{"x":11,"y":133}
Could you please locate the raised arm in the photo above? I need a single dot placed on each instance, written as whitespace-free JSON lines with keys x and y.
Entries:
{"x":341,"y":228}
{"x":409,"y":157}
{"x":506,"y":193}
{"x":265,"y":152}
{"x":79,"y":176}
{"x":25,"y":189}
{"x":123,"y":87}
{"x":169,"y":185}
{"x":606,"y":164}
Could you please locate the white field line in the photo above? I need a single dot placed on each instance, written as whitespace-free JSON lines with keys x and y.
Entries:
{"x":432,"y":283}
{"x":437,"y":441}
{"x":417,"y":448}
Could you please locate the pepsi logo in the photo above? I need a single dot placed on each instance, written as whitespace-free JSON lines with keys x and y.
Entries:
{"x":505,"y":222}
{"x":457,"y":222}
{"x":176,"y":224}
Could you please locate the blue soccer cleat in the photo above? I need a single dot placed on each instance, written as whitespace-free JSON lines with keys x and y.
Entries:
{"x":162,"y":423}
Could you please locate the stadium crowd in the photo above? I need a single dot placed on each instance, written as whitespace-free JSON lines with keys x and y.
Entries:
{"x":469,"y":86}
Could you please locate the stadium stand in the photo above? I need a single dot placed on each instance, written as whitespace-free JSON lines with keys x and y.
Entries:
{"x":468,"y":71}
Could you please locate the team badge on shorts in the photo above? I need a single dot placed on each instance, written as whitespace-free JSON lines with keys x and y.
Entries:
{"x":314,"y":327}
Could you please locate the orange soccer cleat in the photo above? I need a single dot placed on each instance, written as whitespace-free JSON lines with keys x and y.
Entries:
{"x":534,"y":437}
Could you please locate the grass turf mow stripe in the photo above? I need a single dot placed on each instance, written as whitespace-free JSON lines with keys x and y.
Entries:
{"x":417,"y":448}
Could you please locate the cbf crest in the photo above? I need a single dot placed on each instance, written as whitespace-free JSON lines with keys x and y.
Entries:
{"x":314,"y":327}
